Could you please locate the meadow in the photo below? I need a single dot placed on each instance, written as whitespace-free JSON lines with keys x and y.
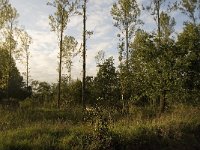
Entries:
{"x":33,"y":127}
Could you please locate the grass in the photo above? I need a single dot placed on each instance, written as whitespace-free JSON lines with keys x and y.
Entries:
{"x":44,"y":128}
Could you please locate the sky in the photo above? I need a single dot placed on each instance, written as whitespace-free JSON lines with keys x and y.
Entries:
{"x":44,"y":48}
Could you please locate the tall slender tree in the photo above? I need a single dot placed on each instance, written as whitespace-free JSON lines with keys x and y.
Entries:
{"x":25,"y":40}
{"x":84,"y":53}
{"x":125,"y":13}
{"x":58,"y":23}
{"x":155,"y":9}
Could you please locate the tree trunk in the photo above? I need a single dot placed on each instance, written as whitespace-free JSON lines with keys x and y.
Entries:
{"x":10,"y":60}
{"x":127,"y":48}
{"x":162,"y":103}
{"x":60,"y":65}
{"x":162,"y":97}
{"x":27,"y":69}
{"x":158,"y":16}
{"x":84,"y":54}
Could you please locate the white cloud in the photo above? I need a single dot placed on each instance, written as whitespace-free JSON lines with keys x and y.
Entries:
{"x":43,"y":23}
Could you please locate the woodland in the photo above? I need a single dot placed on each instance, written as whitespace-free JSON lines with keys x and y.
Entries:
{"x":150,"y":101}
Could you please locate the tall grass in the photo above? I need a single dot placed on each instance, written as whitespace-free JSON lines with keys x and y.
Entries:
{"x":44,"y":128}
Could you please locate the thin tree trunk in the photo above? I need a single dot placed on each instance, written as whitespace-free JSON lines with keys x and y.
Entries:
{"x":60,"y":65}
{"x":27,"y":69}
{"x":162,"y":96}
{"x":158,"y":16}
{"x":127,"y":48}
{"x":10,"y":60}
{"x":60,"y":71}
{"x":70,"y":72}
{"x":84,"y":54}
{"x":162,"y":103}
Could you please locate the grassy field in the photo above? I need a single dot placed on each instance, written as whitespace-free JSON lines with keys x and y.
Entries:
{"x":51,"y":129}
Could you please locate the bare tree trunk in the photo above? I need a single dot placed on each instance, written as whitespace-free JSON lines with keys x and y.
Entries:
{"x":27,"y":70}
{"x":127,"y":48}
{"x":84,"y":54}
{"x":60,"y":65}
{"x":158,"y":16}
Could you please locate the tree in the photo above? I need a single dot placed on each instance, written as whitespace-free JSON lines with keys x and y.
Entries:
{"x":100,"y":58}
{"x":25,"y":40}
{"x":3,"y":11}
{"x":11,"y":79}
{"x":165,"y":24}
{"x":72,"y":92}
{"x":58,"y":23}
{"x":166,"y":27}
{"x":42,"y":91}
{"x":142,"y":62}
{"x":3,"y":68}
{"x":69,"y":46}
{"x":10,"y":16}
{"x":16,"y":84}
{"x":125,"y":13}
{"x":84,"y":54}
{"x":106,"y":83}
{"x":189,"y":62}
{"x":190,"y":8}
{"x":155,"y":72}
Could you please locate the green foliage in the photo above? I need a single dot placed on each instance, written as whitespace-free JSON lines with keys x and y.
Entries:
{"x":125,"y":13}
{"x":170,"y":72}
{"x":167,"y":26}
{"x":189,"y":61}
{"x":71,"y":92}
{"x":42,"y":92}
{"x":106,"y":83}
{"x":11,"y":82}
{"x":60,"y":19}
{"x":3,"y":68}
{"x":69,"y":47}
{"x":14,"y":86}
{"x":101,"y":137}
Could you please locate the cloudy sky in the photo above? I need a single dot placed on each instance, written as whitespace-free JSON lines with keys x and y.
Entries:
{"x":44,"y":50}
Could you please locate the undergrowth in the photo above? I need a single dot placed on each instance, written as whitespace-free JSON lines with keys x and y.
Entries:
{"x":44,"y":128}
